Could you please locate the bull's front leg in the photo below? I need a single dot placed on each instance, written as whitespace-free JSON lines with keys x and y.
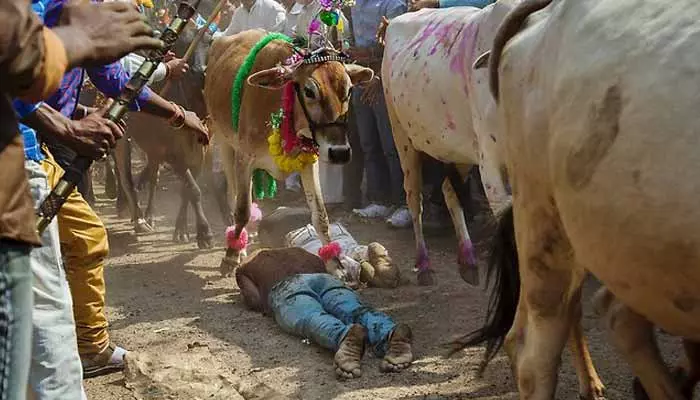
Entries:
{"x":319,"y":218}
{"x":236,"y":235}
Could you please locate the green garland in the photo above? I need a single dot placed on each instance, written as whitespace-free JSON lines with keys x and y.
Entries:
{"x":264,"y":185}
{"x":244,"y":71}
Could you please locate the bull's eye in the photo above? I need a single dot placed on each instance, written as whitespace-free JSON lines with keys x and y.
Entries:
{"x":309,"y":93}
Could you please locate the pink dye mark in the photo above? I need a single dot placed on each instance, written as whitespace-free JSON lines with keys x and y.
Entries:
{"x":422,"y":260}
{"x":466,"y":254}
{"x":464,"y":57}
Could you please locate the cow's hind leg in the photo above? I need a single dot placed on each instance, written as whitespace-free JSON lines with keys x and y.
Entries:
{"x":466,"y":258}
{"x":194,"y":194}
{"x":242,"y":187}
{"x":633,"y":336}
{"x":590,"y":385}
{"x":550,"y":280}
{"x":122,"y":153}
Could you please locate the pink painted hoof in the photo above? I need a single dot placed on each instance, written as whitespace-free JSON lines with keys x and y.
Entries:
{"x":236,"y":243}
{"x":426,"y":277}
{"x":468,"y":269}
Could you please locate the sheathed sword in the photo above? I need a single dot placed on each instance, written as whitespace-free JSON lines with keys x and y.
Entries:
{"x":74,"y":172}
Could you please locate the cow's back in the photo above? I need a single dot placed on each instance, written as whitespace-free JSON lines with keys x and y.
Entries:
{"x":427,"y":70}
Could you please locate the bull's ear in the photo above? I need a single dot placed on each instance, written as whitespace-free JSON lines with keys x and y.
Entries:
{"x":482,"y":61}
{"x":359,"y":74}
{"x":272,"y":78}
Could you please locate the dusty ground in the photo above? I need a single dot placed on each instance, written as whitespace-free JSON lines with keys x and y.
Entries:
{"x":167,"y":303}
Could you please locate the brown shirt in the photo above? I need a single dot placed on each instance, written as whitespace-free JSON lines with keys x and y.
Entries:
{"x":32,"y":63}
{"x":267,"y":267}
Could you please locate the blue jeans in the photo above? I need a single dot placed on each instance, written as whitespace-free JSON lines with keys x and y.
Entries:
{"x":15,"y":319}
{"x":321,"y":308}
{"x":56,"y":371}
{"x":382,"y":164}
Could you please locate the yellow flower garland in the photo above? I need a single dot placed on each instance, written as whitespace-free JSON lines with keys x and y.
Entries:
{"x":284,"y":162}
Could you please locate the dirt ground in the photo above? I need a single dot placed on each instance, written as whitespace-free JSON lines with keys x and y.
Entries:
{"x":191,"y":336}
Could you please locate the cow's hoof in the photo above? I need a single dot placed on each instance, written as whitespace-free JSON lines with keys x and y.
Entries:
{"x":470,"y":274}
{"x":227,"y":267}
{"x":596,"y":391}
{"x":142,"y":226}
{"x":426,"y":277}
{"x":205,"y":240}
{"x":181,"y":236}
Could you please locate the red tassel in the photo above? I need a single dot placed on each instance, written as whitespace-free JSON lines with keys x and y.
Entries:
{"x":329,"y":251}
{"x":239,"y":243}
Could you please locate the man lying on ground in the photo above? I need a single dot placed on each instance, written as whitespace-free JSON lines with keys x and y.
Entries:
{"x":291,"y":285}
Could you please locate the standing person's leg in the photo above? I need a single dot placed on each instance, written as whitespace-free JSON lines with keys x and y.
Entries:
{"x":401,"y":217}
{"x":388,"y":340}
{"x":376,"y":170}
{"x":297,"y":310}
{"x":84,"y":245}
{"x":16,"y":302}
{"x":55,"y":371}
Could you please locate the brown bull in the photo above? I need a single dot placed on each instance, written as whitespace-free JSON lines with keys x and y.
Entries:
{"x":325,"y":93}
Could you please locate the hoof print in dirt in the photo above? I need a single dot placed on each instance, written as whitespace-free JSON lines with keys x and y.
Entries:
{"x":470,"y":274}
{"x":426,"y":277}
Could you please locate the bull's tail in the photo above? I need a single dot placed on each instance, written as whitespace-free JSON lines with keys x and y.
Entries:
{"x":510,"y":26}
{"x":503,"y":302}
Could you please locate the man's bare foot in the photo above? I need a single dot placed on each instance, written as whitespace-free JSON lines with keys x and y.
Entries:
{"x":348,"y":358}
{"x":399,"y":356}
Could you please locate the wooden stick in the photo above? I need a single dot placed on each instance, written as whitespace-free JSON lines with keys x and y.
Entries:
{"x":196,"y":40}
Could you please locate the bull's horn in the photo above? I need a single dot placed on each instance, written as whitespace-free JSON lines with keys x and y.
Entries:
{"x":482,"y":61}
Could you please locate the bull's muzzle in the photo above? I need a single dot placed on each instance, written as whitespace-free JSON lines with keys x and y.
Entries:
{"x":339,"y":154}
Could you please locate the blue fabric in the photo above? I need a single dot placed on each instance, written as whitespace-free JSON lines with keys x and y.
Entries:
{"x":321,"y":308}
{"x":366,"y":16}
{"x":32,"y":150}
{"x":465,"y":3}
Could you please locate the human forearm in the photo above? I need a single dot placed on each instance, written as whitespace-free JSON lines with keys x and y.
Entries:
{"x":51,"y":125}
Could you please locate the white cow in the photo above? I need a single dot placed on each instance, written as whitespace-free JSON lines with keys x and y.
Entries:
{"x":439,"y":105}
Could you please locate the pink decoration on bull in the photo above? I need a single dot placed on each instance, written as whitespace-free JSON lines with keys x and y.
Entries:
{"x":329,"y":251}
{"x":255,"y":213}
{"x":314,"y":27}
{"x":239,"y":243}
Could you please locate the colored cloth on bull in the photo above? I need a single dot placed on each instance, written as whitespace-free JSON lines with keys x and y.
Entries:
{"x":16,"y":301}
{"x":465,"y":3}
{"x":320,"y":307}
{"x":367,"y":15}
{"x":83,"y":239}
{"x":55,"y":372}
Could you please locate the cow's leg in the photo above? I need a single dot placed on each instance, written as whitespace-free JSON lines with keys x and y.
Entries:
{"x":410,"y":160}
{"x":111,"y":186}
{"x":633,"y":336}
{"x":466,"y":258}
{"x":550,"y":280}
{"x":228,"y":159}
{"x":590,"y":385}
{"x":690,"y":374}
{"x":194,"y":194}
{"x":319,"y":216}
{"x":181,"y":233}
{"x":123,"y":163}
{"x":243,"y":184}
{"x":153,"y":171}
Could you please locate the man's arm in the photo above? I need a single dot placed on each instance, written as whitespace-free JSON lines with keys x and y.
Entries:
{"x":249,"y":291}
{"x":111,"y":80}
{"x":91,"y":136}
{"x":32,"y":58}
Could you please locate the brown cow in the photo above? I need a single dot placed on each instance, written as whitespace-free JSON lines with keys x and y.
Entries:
{"x":326,"y":91}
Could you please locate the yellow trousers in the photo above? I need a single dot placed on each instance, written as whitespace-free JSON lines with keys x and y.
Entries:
{"x":84,"y":247}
